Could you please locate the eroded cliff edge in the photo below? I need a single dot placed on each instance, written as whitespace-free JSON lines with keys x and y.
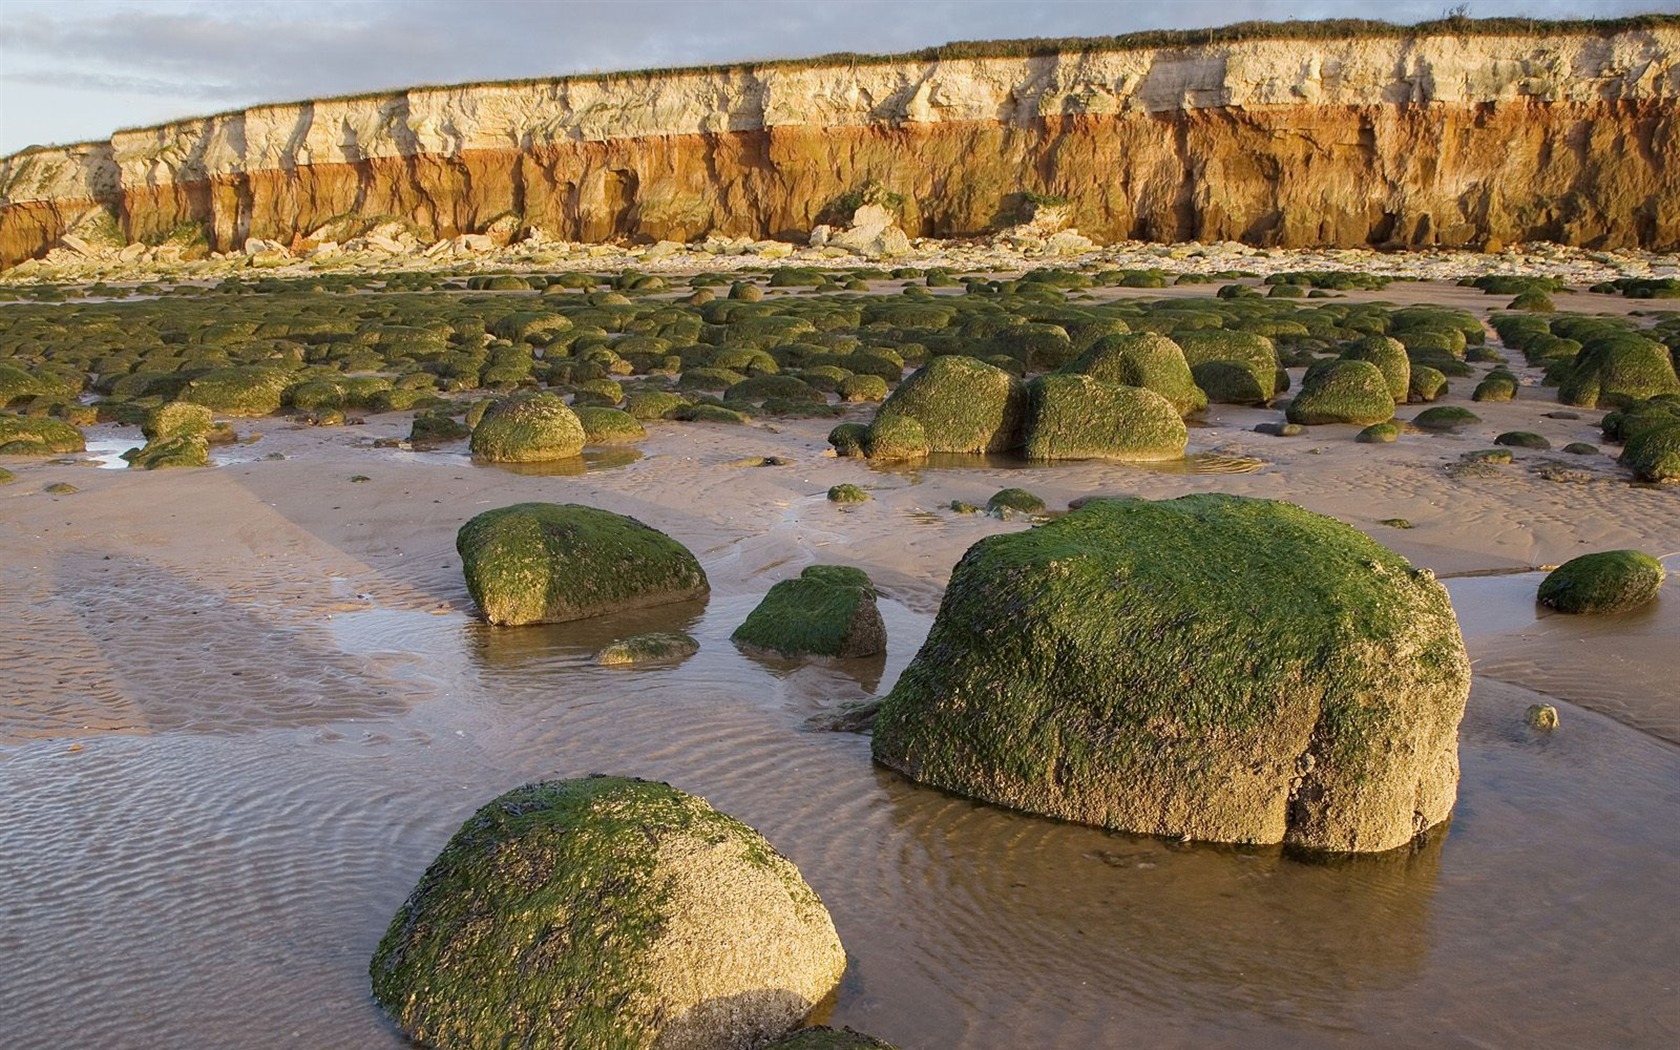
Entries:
{"x":1432,"y":138}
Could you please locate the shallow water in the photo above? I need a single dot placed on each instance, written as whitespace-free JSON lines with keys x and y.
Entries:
{"x":224,"y":880}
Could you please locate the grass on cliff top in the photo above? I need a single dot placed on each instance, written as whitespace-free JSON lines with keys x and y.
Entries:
{"x":1031,"y":47}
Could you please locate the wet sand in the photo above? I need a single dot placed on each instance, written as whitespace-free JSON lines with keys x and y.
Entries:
{"x":246,"y":706}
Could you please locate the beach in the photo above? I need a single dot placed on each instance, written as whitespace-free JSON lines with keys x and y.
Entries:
{"x":246,"y":705}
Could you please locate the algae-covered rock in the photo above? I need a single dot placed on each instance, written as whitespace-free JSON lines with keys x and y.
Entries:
{"x":605,"y":912}
{"x":847,"y":493}
{"x":1378,"y":434}
{"x":240,"y":390}
{"x":606,"y":426}
{"x":1074,"y":416}
{"x":1007,"y":503}
{"x":1143,"y":359}
{"x":181,"y":450}
{"x":848,"y":439}
{"x":1389,"y":355}
{"x":961,"y":405}
{"x":1618,"y":369}
{"x":829,"y":610}
{"x":1427,"y":384}
{"x":1498,"y":386}
{"x":1233,"y":383}
{"x":1215,"y":667}
{"x":38,"y":436}
{"x":177,"y":419}
{"x":1444,"y":418}
{"x":1342,"y":391}
{"x":1653,"y":452}
{"x":652,"y":647}
{"x":1606,"y":582}
{"x":894,"y":438}
{"x":529,"y":429}
{"x":552,"y":562}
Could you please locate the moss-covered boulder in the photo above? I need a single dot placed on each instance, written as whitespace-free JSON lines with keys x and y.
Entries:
{"x":181,"y":450}
{"x":1427,"y":384}
{"x":1618,"y":369}
{"x":1389,"y":355}
{"x":553,"y":562}
{"x":651,"y":647}
{"x":1651,"y":452}
{"x":177,"y":419}
{"x":530,"y":429}
{"x":605,"y":912}
{"x":1143,"y":359}
{"x":848,"y":438}
{"x":1014,"y":502}
{"x":1073,"y":416}
{"x":38,"y":436}
{"x":829,"y":610}
{"x":1342,"y":391}
{"x":893,"y":438}
{"x":1378,"y":434}
{"x":846,"y":492}
{"x":961,"y":405}
{"x":608,"y":426}
{"x":1606,"y":582}
{"x":1215,"y":667}
{"x":1443,"y":418}
{"x":1234,"y":383}
{"x":1499,"y":385}
{"x":241,"y":390}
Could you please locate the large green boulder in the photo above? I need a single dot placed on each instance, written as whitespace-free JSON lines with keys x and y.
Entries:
{"x":1618,"y":369}
{"x":605,"y":913}
{"x":38,"y":436}
{"x":1232,"y":367}
{"x":1606,"y":582}
{"x":961,"y":405}
{"x":1389,"y":355}
{"x":1652,"y":452}
{"x":529,"y":429}
{"x":553,"y":562}
{"x":177,"y":419}
{"x":1342,"y":391}
{"x":829,"y":610}
{"x":240,"y":390}
{"x":1143,"y":359}
{"x":1079,"y":417}
{"x":181,"y":450}
{"x":1211,"y":667}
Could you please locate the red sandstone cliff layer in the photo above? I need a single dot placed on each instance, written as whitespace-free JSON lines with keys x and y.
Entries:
{"x":1351,"y":143}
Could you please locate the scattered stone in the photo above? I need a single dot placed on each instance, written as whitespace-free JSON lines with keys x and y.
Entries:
{"x":1009,"y":503}
{"x":549,"y":563}
{"x":532,"y":428}
{"x":606,"y":912}
{"x":652,"y":647}
{"x":1541,"y":716}
{"x":1287,"y":430}
{"x":847,"y":493}
{"x":1606,"y":582}
{"x":829,"y":610}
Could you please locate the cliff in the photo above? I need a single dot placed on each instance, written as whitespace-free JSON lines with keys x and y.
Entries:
{"x":1424,"y":138}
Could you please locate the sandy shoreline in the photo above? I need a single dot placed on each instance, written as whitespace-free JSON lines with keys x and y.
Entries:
{"x":269,"y":672}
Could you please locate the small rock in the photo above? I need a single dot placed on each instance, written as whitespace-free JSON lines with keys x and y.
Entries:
{"x":1541,"y":716}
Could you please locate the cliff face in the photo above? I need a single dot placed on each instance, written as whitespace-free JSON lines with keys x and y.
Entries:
{"x":1407,"y":140}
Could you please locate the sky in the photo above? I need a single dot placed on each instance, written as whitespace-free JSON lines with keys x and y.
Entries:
{"x":76,"y":70}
